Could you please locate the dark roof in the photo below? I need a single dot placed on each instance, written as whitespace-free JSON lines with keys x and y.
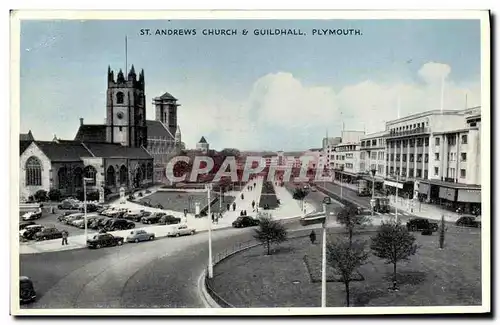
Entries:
{"x":112,"y":150}
{"x":23,"y":145}
{"x":158,"y":129}
{"x":202,"y":140}
{"x":91,"y":132}
{"x":26,"y":136}
{"x":167,"y":95}
{"x":63,"y":151}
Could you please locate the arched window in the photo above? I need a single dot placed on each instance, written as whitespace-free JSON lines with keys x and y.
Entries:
{"x":119,"y":97}
{"x":33,"y":171}
{"x":90,"y":173}
{"x":123,"y":175}
{"x":143,"y":171}
{"x":110,"y":177}
{"x":149,"y":171}
{"x":62,"y":177}
{"x":77,"y":177}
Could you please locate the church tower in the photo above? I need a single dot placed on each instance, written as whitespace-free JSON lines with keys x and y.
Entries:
{"x":126,"y":109}
{"x":166,"y":111}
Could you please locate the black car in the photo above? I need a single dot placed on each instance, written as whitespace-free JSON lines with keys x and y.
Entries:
{"x":30,"y":231}
{"x":25,"y":224}
{"x":468,"y":222}
{"x":48,"y":233}
{"x":136,"y":216}
{"x":27,"y":291}
{"x":119,"y":224}
{"x":91,"y":208}
{"x":104,"y":240}
{"x":152,"y":218}
{"x":169,"y":220}
{"x":419,"y":224}
{"x":245,"y":221}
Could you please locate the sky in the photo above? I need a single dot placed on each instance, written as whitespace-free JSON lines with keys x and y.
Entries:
{"x":252,"y":92}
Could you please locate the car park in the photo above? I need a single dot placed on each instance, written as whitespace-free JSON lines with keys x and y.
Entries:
{"x":48,"y":233}
{"x":119,"y":224}
{"x":468,"y":221}
{"x":245,"y":221}
{"x":152,"y":218}
{"x":420,"y":224}
{"x":104,"y":240}
{"x":27,"y":291}
{"x":180,"y":230}
{"x":138,"y":235}
{"x":169,"y":220}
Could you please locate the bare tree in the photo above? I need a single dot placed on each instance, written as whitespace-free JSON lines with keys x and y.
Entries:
{"x":442,"y":231}
{"x":269,"y":232}
{"x":346,"y":257}
{"x":348,"y":217}
{"x":394,"y":243}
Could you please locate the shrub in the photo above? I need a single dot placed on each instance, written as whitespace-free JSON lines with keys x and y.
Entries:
{"x":31,"y":198}
{"x":40,"y":196}
{"x":55,"y":194}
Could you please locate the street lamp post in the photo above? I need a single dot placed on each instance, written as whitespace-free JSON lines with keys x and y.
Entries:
{"x":396,"y":205}
{"x":85,"y":180}
{"x":208,"y":187}
{"x":373,"y":190}
{"x":323,"y":262}
{"x":341,"y":168}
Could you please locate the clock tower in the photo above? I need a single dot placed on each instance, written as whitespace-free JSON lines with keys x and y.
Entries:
{"x":126,"y":109}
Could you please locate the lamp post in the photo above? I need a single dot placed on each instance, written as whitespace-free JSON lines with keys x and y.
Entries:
{"x":373,"y":190}
{"x":396,"y":205}
{"x":208,"y":187}
{"x":85,"y":180}
{"x":323,"y":262}
{"x":341,"y":168}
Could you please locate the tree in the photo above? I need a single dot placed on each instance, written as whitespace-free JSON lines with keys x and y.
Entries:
{"x":269,"y":232}
{"x":54,"y":195}
{"x":346,"y":257}
{"x":348,"y":217}
{"x":442,"y":230}
{"x":227,"y":152}
{"x":300,"y":194}
{"x":40,"y":196}
{"x":394,"y":243}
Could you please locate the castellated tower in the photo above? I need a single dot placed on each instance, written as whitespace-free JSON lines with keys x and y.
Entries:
{"x":126,"y":109}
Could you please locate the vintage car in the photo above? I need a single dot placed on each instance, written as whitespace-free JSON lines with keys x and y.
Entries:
{"x":245,"y":221}
{"x":27,"y":291}
{"x":119,"y":224}
{"x":138,"y":235}
{"x":32,"y":215}
{"x":421,"y":224}
{"x":48,"y":233}
{"x":104,"y":240}
{"x":180,"y":230}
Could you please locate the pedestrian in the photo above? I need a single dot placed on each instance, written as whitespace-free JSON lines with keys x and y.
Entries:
{"x":64,"y":237}
{"x":241,"y":213}
{"x":244,"y":212}
{"x":228,"y":207}
{"x":253,"y":204}
{"x":242,"y":196}
{"x":234,"y":206}
{"x":213,"y":217}
{"x":312,"y":236}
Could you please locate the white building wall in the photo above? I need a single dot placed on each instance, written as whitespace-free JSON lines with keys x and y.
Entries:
{"x":24,"y":190}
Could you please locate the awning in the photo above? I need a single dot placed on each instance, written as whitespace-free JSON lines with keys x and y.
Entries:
{"x":447,"y":193}
{"x":472,"y":196}
{"x":424,"y":188}
{"x":393,"y":184}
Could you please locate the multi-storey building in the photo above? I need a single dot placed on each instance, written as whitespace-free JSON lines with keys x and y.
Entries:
{"x":436,"y":155}
{"x":328,"y":145}
{"x":346,"y":156}
{"x":372,"y":157}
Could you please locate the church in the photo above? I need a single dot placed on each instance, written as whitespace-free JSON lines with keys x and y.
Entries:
{"x":126,"y":151}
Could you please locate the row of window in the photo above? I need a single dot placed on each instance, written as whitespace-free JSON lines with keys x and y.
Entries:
{"x":452,"y":140}
{"x":373,"y":156}
{"x":418,"y":172}
{"x":373,"y":143}
{"x":411,"y":157}
{"x":409,"y":127}
{"x":409,"y":143}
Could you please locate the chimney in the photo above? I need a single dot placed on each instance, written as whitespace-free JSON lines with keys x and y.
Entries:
{"x":81,"y":120}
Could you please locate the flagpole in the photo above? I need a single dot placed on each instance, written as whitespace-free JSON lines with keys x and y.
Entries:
{"x":126,"y":55}
{"x":442,"y":93}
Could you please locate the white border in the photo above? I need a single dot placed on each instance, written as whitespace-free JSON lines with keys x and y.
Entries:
{"x":220,"y":14}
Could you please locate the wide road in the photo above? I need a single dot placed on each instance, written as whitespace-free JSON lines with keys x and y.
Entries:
{"x":162,"y":273}
{"x":315,"y":198}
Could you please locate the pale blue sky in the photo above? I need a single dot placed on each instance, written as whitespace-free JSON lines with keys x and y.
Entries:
{"x":64,"y":65}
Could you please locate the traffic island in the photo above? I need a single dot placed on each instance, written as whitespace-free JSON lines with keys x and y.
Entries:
{"x":432,"y":277}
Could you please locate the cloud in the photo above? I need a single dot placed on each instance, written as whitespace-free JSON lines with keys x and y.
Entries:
{"x":281,"y":102}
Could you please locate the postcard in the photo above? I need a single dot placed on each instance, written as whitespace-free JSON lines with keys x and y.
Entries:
{"x":250,"y":162}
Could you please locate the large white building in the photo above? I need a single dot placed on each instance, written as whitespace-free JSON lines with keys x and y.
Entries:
{"x":346,"y":156}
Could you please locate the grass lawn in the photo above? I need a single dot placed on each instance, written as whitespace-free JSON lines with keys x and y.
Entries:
{"x":178,"y":201}
{"x":290,"y":277}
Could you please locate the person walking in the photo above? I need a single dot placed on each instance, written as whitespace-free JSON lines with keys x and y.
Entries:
{"x":242,"y":196}
{"x":253,"y":205}
{"x":234,"y":206}
{"x":312,"y":236}
{"x":228,"y":207}
{"x":64,"y":237}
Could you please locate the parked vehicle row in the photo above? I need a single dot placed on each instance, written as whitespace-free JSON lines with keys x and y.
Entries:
{"x":95,"y":221}
{"x":38,"y":232}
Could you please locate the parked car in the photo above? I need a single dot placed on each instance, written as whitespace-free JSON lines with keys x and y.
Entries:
{"x":95,"y":223}
{"x":24,"y":224}
{"x":418,"y":224}
{"x":180,"y":230}
{"x":81,"y":222}
{"x":467,"y":221}
{"x":104,"y":240}
{"x":68,"y":204}
{"x":119,"y":224}
{"x":32,"y":215}
{"x":30,"y":231}
{"x":152,"y":218}
{"x":136,"y":215}
{"x":72,"y":217}
{"x":117,"y":213}
{"x":245,"y":221}
{"x":76,"y":220}
{"x":107,"y":211}
{"x":48,"y":233}
{"x":138,"y":235}
{"x":27,"y":291}
{"x":91,"y":207}
{"x":169,"y":220}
